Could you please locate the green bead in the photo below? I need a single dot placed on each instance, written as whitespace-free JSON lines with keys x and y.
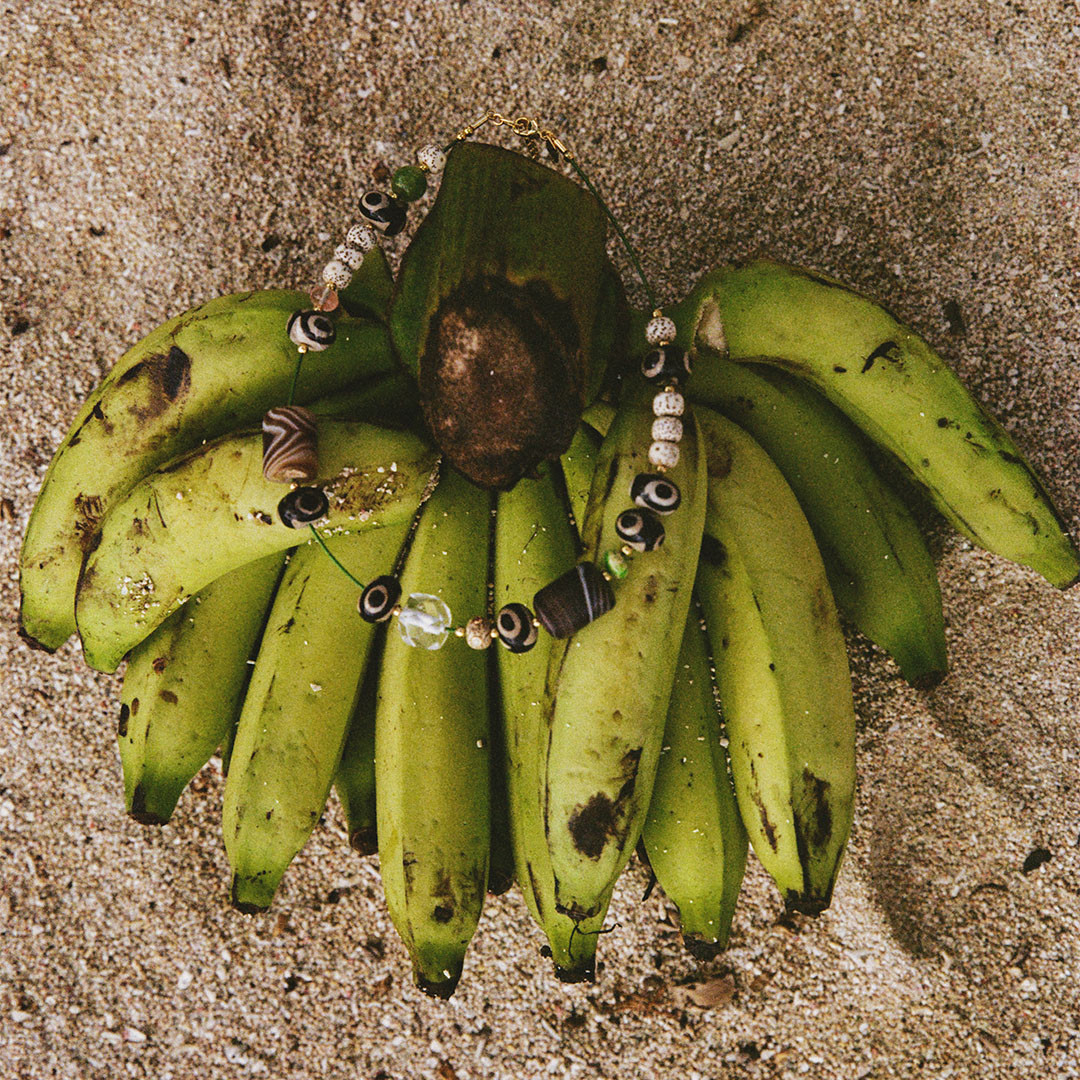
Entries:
{"x":409,"y":183}
{"x":616,"y":565}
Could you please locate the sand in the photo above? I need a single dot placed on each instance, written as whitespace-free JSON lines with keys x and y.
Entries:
{"x":929,"y":153}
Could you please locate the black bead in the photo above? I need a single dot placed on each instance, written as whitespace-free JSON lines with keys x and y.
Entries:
{"x":655,"y":492}
{"x":641,"y":529}
{"x":573,"y":600}
{"x":302,"y":506}
{"x":668,"y":363}
{"x":514,"y":625}
{"x":385,"y":213}
{"x":377,"y":601}
{"x":312,"y":329}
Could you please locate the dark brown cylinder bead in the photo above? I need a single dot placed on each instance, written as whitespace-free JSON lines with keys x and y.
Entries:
{"x":289,"y":444}
{"x":574,"y":600}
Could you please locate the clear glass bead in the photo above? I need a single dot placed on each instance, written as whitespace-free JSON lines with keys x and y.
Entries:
{"x":424,"y":621}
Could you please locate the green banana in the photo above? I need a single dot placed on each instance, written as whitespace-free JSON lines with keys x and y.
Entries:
{"x":303,"y":692}
{"x":184,"y":685}
{"x":693,"y":835}
{"x":899,"y":391}
{"x":608,"y":686}
{"x":578,"y":464}
{"x":781,"y":668}
{"x":534,"y":544}
{"x":200,"y":375}
{"x":199,"y":517}
{"x":355,"y":780}
{"x":880,"y":572}
{"x":432,"y":747}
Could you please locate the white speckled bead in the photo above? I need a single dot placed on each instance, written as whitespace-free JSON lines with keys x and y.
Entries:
{"x":659,"y":330}
{"x":431,"y":158}
{"x":664,"y":455}
{"x":350,"y":256}
{"x":478,"y":633}
{"x":336,"y":274}
{"x":361,"y":237}
{"x":667,"y":429}
{"x":668,"y":403}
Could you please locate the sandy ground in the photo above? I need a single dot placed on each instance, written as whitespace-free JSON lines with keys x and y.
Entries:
{"x":927,"y":152}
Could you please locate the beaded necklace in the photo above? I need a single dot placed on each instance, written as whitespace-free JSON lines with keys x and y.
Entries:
{"x":583,"y":593}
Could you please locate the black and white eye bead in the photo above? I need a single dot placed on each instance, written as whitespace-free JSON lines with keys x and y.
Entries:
{"x":515,"y":627}
{"x":573,"y":600}
{"x":651,"y":491}
{"x":312,"y":329}
{"x":640,"y":529}
{"x":666,"y":364}
{"x":377,"y":601}
{"x":302,"y":506}
{"x":384,"y":212}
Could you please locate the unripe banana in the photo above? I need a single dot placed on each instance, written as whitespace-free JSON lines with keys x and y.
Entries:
{"x":535,"y":544}
{"x":204,"y":373}
{"x":578,"y":465}
{"x":184,"y":685}
{"x":781,"y":668}
{"x":880,"y":572}
{"x":302,"y":695}
{"x":693,"y":835}
{"x":608,"y":686}
{"x":207,"y":513}
{"x":432,"y":747}
{"x":899,"y":391}
{"x":355,"y":780}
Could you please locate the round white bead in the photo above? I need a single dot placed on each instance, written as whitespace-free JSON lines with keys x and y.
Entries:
{"x":361,"y":237}
{"x":336,"y":274}
{"x":660,"y":330}
{"x":668,"y":403}
{"x":664,"y":455}
{"x":667,"y":429}
{"x":432,"y":158}
{"x":350,"y":256}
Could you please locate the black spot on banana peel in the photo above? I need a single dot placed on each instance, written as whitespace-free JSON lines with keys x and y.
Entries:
{"x":497,"y":379}
{"x":591,"y":825}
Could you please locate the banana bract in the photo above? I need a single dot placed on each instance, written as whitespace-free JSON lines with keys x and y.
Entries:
{"x":204,"y":373}
{"x":898,"y":390}
{"x":184,"y":526}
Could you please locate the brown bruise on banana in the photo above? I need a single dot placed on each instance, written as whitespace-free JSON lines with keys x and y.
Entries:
{"x":500,"y":385}
{"x":593,"y":823}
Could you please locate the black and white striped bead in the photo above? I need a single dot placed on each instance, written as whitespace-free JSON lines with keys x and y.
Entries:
{"x":515,"y":627}
{"x":311,"y":330}
{"x":377,"y":601}
{"x":302,"y":506}
{"x":640,"y":529}
{"x":573,"y":600}
{"x":666,"y":364}
{"x":385,"y":213}
{"x":651,"y":491}
{"x":289,"y":444}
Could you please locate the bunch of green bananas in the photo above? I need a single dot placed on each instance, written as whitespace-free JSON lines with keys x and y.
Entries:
{"x":710,"y":708}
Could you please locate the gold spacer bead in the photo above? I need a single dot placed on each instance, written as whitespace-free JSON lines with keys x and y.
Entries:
{"x":536,"y":622}
{"x":459,"y":631}
{"x":395,"y":610}
{"x":628,"y":551}
{"x":606,"y":575}
{"x":658,"y":313}
{"x":301,"y":349}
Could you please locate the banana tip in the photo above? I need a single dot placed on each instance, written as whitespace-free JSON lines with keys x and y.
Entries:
{"x":806,"y":905}
{"x":700,"y":949}
{"x":499,"y":882}
{"x":580,"y":973}
{"x":32,"y":642}
{"x":927,"y":680}
{"x":364,"y":840}
{"x":442,"y":988}
{"x":146,"y":817}
{"x":247,"y":907}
